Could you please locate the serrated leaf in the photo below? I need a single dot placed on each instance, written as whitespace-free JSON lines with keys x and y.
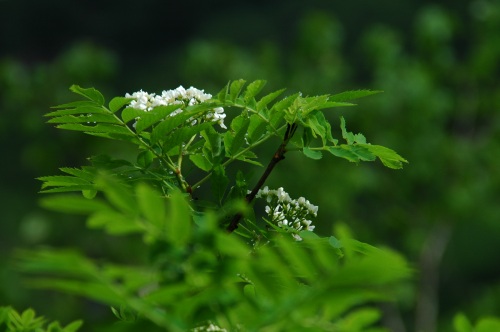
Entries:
{"x":264,"y":101}
{"x":247,"y":157}
{"x":99,"y":128}
{"x":61,"y":180}
{"x":89,"y":93}
{"x":256,"y":128}
{"x":118,"y":102}
{"x":235,"y":88}
{"x":361,"y":151}
{"x":237,"y":138}
{"x":201,"y":162}
{"x":348,"y":136}
{"x":68,"y":189}
{"x":213,"y":140}
{"x":253,"y":89}
{"x":317,"y":125}
{"x":83,"y":173}
{"x":387,"y":156}
{"x":223,"y":93}
{"x":350,"y":95}
{"x":85,"y":118}
{"x":309,"y":104}
{"x":170,"y":123}
{"x":313,"y":154}
{"x":183,"y":134}
{"x":147,"y":119}
{"x":130,"y":113}
{"x":341,"y":152}
{"x":76,"y":104}
{"x":79,"y":110}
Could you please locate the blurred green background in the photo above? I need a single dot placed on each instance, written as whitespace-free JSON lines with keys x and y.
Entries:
{"x":438,"y":63}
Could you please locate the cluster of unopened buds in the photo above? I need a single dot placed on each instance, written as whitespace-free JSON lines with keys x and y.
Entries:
{"x":183,"y":97}
{"x":292,"y":215}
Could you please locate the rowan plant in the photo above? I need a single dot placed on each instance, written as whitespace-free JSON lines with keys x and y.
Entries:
{"x":220,"y":260}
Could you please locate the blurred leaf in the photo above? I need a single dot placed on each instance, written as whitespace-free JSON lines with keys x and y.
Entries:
{"x":151,"y":204}
{"x":461,"y":323}
{"x":73,"y":204}
{"x":178,"y":223}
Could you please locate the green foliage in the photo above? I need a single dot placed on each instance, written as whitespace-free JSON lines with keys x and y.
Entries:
{"x":462,"y":324}
{"x":13,"y":321}
{"x":255,"y":279}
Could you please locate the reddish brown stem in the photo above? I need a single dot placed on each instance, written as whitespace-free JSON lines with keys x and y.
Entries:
{"x":277,"y":157}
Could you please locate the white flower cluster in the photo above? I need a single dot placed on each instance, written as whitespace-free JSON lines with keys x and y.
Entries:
{"x":287,"y":213}
{"x":183,"y":97}
{"x":208,"y":327}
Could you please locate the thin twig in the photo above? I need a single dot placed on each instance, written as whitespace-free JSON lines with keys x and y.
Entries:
{"x":277,"y":157}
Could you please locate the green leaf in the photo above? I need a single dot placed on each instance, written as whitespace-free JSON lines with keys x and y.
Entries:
{"x":213,"y":141}
{"x":219,"y":183}
{"x":313,"y":154}
{"x":235,"y":139}
{"x":235,"y":88}
{"x":118,"y":193}
{"x":85,"y":118}
{"x":462,"y":324}
{"x":61,"y":180}
{"x":256,"y":128}
{"x":77,"y":104}
{"x":73,"y":204}
{"x":309,"y":104}
{"x":264,"y":101}
{"x":354,"y":94}
{"x":151,"y":205}
{"x":183,"y":134}
{"x":99,"y":128}
{"x":340,"y":151}
{"x":73,"y":326}
{"x":85,"y":172}
{"x":488,"y":324}
{"x":89,"y":93}
{"x":114,"y":223}
{"x":145,"y":158}
{"x":147,"y":119}
{"x":387,"y":156}
{"x":253,"y":89}
{"x":317,"y":124}
{"x":223,"y":93}
{"x":118,"y":102}
{"x":178,"y":224}
{"x":201,"y":162}
{"x":361,"y":152}
{"x":348,"y":136}
{"x":91,"y":109}
{"x":170,"y":123}
{"x":130,"y":113}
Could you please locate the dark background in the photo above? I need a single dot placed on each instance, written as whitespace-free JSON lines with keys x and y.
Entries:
{"x":438,"y":63}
